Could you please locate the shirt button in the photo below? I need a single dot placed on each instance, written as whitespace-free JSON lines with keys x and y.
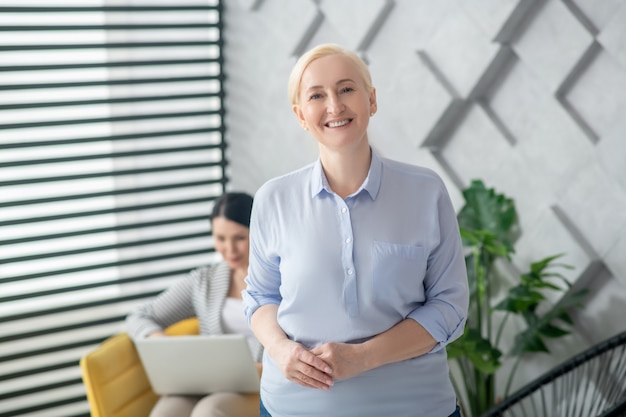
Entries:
{"x":343,"y":210}
{"x":348,"y":240}
{"x":350,"y":271}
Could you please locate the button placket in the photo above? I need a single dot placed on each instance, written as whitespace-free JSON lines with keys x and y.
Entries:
{"x":349,"y":285}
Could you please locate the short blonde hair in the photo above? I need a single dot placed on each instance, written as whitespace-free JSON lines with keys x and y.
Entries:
{"x":320,"y":51}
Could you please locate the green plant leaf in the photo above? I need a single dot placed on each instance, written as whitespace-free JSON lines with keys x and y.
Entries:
{"x":529,"y":341}
{"x":552,"y":331}
{"x":574,"y":299}
{"x":565,"y":317}
{"x":487,"y":241}
{"x":520,"y":299}
{"x":485,"y":210}
{"x":483,"y":356}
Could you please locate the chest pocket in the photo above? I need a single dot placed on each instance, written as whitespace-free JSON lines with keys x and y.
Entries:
{"x":398,"y":274}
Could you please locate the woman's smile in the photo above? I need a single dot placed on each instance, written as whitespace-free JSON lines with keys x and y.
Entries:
{"x":338,"y":123}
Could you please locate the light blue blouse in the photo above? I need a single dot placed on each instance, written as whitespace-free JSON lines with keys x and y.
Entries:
{"x":346,"y":270}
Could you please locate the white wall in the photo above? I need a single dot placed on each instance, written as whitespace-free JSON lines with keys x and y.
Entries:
{"x":529,"y":96}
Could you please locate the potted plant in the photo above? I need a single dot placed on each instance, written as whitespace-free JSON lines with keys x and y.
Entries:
{"x":488,"y":225}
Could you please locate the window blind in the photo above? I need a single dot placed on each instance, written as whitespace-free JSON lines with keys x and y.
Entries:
{"x":111,"y":154}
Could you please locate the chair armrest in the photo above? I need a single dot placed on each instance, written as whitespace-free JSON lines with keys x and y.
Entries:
{"x":188,"y":326}
{"x":115,"y":381}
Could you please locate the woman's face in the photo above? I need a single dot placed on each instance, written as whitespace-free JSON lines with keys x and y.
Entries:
{"x":232,"y":242}
{"x":335,"y":104}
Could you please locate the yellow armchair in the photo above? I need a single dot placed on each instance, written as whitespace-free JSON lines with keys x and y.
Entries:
{"x":114,"y":378}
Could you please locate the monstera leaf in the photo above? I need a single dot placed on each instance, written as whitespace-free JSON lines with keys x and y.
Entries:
{"x":485,"y":210}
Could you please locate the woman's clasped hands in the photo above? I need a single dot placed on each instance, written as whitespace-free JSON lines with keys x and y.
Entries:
{"x":320,"y":366}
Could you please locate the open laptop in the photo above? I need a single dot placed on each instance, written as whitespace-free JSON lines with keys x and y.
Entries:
{"x":199,"y":364}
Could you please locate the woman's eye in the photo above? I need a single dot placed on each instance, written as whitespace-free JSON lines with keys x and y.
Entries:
{"x":314,"y":96}
{"x":346,"y":89}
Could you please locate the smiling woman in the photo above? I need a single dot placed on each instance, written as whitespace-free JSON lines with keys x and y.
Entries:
{"x":111,"y":152}
{"x":380,"y":250}
{"x":212,"y":293}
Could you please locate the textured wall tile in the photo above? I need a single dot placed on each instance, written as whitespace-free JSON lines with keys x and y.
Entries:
{"x":517,"y":99}
{"x":490,"y":15}
{"x":533,"y":194}
{"x":599,"y":13}
{"x":280,"y":17}
{"x":548,"y":236}
{"x":327,"y":32}
{"x":249,"y":4}
{"x":611,"y":154}
{"x":613,"y":36}
{"x":614,"y":258}
{"x":596,"y":96}
{"x":595,"y":203}
{"x":461,"y":51}
{"x":366,"y":16}
{"x":408,"y":91}
{"x":410,"y":25}
{"x":549,"y":139}
{"x":476,"y":139}
{"x":552,"y":43}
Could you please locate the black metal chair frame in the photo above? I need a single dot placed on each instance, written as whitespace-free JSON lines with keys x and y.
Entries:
{"x":571,"y":388}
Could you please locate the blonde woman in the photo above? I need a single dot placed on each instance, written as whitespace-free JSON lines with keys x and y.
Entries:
{"x":357,"y":277}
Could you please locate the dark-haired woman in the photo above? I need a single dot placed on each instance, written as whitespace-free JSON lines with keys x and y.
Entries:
{"x":213,"y":295}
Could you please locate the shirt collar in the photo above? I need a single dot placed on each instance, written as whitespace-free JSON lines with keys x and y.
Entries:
{"x":371,"y":184}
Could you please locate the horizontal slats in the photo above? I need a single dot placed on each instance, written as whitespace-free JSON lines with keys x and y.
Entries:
{"x":112,"y":45}
{"x":112,"y":138}
{"x":103,"y":101}
{"x":111,"y":155}
{"x":136,"y":26}
{"x":115,"y":264}
{"x":104,"y":64}
{"x":111,"y":119}
{"x":110,"y":8}
{"x":102,"y":174}
{"x":118,"y":228}
{"x":106,"y":156}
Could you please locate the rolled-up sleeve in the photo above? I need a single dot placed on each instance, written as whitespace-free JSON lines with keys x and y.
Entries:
{"x":444,"y":313}
{"x":263,"y":280}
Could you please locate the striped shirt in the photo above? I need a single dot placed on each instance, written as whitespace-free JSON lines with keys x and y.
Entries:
{"x":201,"y":294}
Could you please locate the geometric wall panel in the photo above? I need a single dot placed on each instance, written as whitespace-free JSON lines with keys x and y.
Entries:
{"x":366,"y":18}
{"x":613,"y":36}
{"x":497,"y":18}
{"x":597,"y":13}
{"x":610,"y":153}
{"x":593,"y":96}
{"x":476,"y":138}
{"x":461,"y":52}
{"x":552,"y":42}
{"x":602,"y":224}
{"x":529,"y":96}
{"x":409,"y":76}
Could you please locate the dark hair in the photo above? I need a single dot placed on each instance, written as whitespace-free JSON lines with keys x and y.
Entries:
{"x":233,"y":206}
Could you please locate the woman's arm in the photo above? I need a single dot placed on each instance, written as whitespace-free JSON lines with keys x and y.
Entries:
{"x":172,"y":305}
{"x":405,"y":340}
{"x":296,"y":362}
